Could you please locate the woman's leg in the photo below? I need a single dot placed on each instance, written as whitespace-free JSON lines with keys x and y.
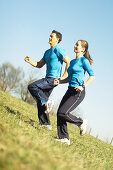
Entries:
{"x":70,"y":101}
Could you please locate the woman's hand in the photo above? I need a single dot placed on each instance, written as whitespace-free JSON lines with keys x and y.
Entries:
{"x":56,"y":81}
{"x":79,"y":88}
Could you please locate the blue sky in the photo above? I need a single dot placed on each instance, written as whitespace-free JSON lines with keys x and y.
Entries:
{"x":25,"y":28}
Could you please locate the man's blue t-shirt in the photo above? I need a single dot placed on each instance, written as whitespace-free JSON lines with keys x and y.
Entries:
{"x":76,"y":71}
{"x":54,"y":60}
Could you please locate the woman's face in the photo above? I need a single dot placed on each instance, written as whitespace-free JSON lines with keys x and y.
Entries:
{"x":78,"y":47}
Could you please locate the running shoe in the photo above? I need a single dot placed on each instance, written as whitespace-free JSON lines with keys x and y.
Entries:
{"x":83,"y":127}
{"x":49,"y":105}
{"x":65,"y":140}
{"x":47,"y":126}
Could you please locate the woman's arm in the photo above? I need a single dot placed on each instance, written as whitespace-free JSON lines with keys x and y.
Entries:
{"x":90,"y":79}
{"x":89,"y":70}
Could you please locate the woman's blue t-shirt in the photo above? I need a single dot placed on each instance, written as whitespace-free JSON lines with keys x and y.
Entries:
{"x":76,"y":71}
{"x":54,"y":61}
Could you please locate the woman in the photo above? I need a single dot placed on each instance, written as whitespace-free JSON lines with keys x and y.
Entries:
{"x":76,"y":91}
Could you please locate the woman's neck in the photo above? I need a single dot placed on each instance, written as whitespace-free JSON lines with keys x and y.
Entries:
{"x":79,"y":55}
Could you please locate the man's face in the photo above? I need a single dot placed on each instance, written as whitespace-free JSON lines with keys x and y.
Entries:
{"x":53,"y":39}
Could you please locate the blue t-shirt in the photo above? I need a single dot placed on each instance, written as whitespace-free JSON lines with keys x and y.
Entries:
{"x":76,"y":71}
{"x":54,"y":61}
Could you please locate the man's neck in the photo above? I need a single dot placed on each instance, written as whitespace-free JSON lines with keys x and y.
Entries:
{"x":53,"y":45}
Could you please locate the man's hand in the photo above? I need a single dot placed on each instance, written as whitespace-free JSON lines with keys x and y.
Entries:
{"x":79,"y":88}
{"x":27,"y":59}
{"x":39,"y":64}
{"x":56,"y":81}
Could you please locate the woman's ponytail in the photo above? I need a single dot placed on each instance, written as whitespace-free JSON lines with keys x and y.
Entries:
{"x":86,"y":53}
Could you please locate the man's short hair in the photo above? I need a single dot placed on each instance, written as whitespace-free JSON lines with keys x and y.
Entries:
{"x":58,"y":35}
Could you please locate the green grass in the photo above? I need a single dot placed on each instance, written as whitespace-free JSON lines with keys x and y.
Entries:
{"x":24,"y":145}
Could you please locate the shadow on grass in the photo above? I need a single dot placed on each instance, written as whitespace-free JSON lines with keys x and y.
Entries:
{"x":2,"y":129}
{"x":21,"y":117}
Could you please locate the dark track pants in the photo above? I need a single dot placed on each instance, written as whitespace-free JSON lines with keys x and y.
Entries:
{"x":41,"y":90}
{"x":70,"y":101}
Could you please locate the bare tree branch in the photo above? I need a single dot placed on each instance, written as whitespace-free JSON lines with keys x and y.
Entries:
{"x":10,"y":77}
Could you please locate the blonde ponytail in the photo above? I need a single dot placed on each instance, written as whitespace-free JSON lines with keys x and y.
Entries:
{"x":86,"y":53}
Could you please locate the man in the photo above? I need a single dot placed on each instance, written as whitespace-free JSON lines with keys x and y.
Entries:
{"x":41,"y":89}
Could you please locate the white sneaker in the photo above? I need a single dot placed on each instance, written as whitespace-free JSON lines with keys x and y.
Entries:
{"x":47,"y":126}
{"x":49,"y":105}
{"x":65,"y":140}
{"x":83,"y":127}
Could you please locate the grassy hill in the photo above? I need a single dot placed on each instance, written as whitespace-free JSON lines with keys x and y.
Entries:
{"x":24,"y":145}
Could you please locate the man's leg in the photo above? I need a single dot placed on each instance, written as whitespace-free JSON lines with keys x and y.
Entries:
{"x":36,"y":89}
{"x":41,"y":91}
{"x":43,"y":118}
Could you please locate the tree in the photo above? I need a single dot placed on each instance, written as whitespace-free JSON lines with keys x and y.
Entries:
{"x":23,"y":88}
{"x":10,"y":77}
{"x":24,"y":93}
{"x":15,"y":80}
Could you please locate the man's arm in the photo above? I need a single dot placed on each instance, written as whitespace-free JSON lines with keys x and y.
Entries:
{"x":39,"y":64}
{"x":57,"y":81}
{"x":67,"y":61}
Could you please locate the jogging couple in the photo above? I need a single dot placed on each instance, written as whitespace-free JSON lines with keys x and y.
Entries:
{"x":74,"y":75}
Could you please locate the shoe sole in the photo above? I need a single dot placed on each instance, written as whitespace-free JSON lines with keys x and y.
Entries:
{"x":49,"y":110}
{"x":82,"y":131}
